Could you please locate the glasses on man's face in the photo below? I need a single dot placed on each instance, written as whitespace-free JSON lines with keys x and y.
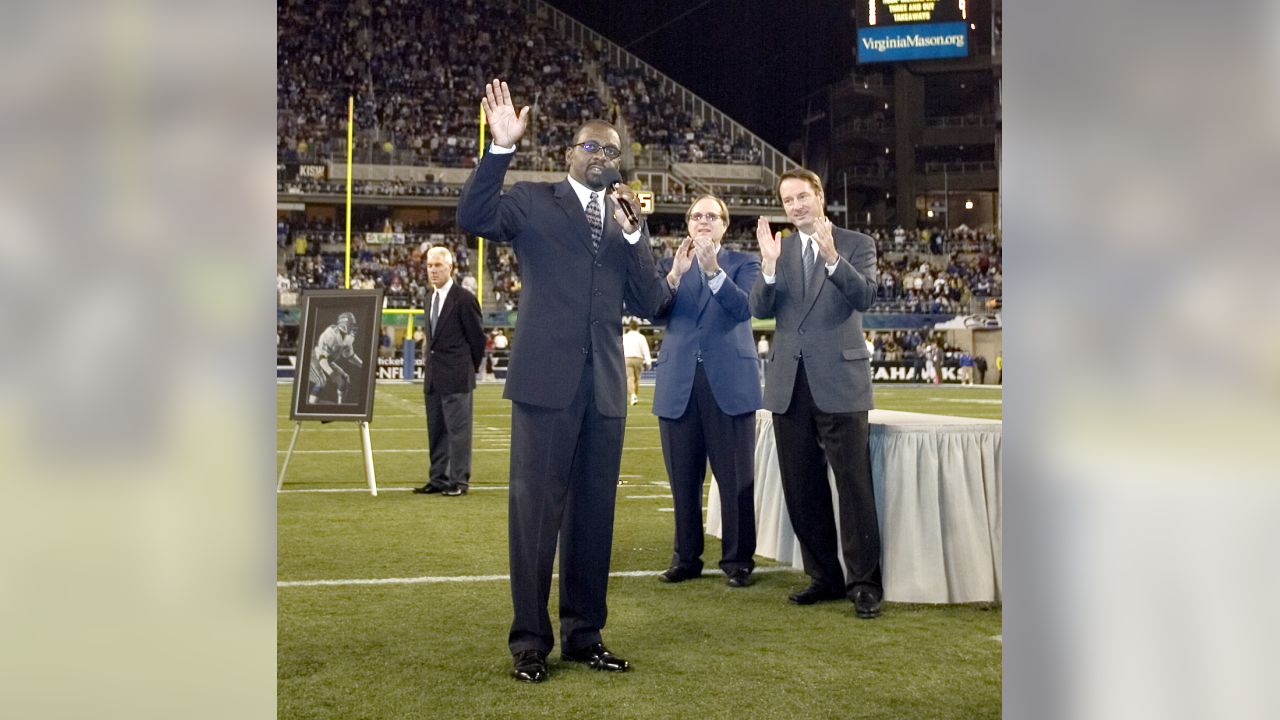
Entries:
{"x":592,"y":147}
{"x":709,"y":217}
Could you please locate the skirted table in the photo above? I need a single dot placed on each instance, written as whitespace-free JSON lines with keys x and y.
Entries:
{"x":938,"y":486}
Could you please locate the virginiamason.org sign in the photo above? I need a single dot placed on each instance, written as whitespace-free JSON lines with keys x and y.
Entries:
{"x":922,"y":41}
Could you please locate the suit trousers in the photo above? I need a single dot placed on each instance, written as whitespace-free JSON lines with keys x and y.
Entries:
{"x":705,"y":432}
{"x":449,"y":439}
{"x":564,"y":481}
{"x":808,"y":439}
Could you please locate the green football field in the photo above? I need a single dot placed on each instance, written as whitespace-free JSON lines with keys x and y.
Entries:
{"x":412,"y":618}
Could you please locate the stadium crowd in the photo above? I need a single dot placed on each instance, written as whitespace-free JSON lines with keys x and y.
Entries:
{"x":920,"y":272}
{"x":412,"y":69}
{"x":656,"y":120}
{"x":310,"y":254}
{"x":912,"y":278}
{"x":928,"y":351}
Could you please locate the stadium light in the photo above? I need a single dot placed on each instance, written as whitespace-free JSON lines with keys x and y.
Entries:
{"x":968,"y":204}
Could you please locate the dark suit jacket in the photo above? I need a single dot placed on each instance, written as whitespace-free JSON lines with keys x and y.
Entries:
{"x":570,"y":299}
{"x":824,"y":326}
{"x":454,"y":351}
{"x":719,"y":327}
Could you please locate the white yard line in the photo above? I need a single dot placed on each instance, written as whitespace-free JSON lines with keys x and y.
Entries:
{"x":473,"y":488}
{"x":440,"y":579}
{"x":354,"y":430}
{"x":383,"y":489}
{"x":352,"y":452}
{"x":409,"y":450}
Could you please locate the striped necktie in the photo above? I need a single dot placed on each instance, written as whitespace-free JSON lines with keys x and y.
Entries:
{"x":809,"y":259}
{"x":595,"y":220}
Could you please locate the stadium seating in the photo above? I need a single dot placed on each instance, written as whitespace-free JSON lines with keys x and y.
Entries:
{"x":965,"y":277}
{"x":415,"y":69}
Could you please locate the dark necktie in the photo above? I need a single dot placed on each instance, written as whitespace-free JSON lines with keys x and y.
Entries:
{"x":595,"y":220}
{"x":435,"y":311}
{"x":808,"y":264}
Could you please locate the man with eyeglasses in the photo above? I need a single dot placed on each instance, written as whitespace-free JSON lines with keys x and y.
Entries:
{"x":707,"y":393}
{"x":579,"y":256}
{"x":817,"y":283}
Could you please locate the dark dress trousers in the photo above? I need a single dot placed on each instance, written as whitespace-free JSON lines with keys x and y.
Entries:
{"x":818,"y":387}
{"x":566,"y":382}
{"x":706,"y":397}
{"x":453,"y":354}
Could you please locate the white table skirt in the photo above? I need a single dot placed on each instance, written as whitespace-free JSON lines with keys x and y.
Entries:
{"x":938,"y":488}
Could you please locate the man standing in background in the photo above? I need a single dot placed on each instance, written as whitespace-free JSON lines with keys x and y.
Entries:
{"x":635,"y":350}
{"x":455,"y":347}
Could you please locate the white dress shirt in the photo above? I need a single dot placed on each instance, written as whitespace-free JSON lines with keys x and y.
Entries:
{"x":807,"y":240}
{"x":584,"y":194}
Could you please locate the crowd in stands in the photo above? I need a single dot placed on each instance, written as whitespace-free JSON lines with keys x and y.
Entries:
{"x":934,"y":241}
{"x":738,"y":196}
{"x":937,"y":271}
{"x":927,"y":352}
{"x":390,"y":188}
{"x":964,"y":276}
{"x":758,"y":196}
{"x":656,"y":120}
{"x":908,"y":345}
{"x":904,"y":286}
{"x":311,"y":254}
{"x":506,"y":278}
{"x":415,"y":70}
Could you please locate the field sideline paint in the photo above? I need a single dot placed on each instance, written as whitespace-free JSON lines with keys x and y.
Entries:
{"x":438,"y":579}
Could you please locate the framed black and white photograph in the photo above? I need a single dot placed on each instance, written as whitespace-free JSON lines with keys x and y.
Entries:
{"x":337,"y":355}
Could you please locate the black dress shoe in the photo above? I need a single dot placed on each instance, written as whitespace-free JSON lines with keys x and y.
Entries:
{"x":427,"y":490}
{"x":866,"y":604}
{"x":739,"y":578}
{"x":530,"y":666}
{"x":816,"y":592}
{"x":675,"y":574}
{"x":597,"y":657}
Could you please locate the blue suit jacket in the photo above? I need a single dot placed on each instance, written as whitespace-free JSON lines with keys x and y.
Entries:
{"x":570,"y":298}
{"x":717,"y":326}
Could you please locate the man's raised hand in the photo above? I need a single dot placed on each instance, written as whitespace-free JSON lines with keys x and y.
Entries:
{"x":506,"y":125}
{"x":770,"y":246}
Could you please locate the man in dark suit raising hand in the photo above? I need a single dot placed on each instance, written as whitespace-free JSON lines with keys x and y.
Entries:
{"x":579,"y":256}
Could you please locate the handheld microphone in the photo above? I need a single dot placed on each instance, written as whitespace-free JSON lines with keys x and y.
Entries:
{"x":612,"y":177}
